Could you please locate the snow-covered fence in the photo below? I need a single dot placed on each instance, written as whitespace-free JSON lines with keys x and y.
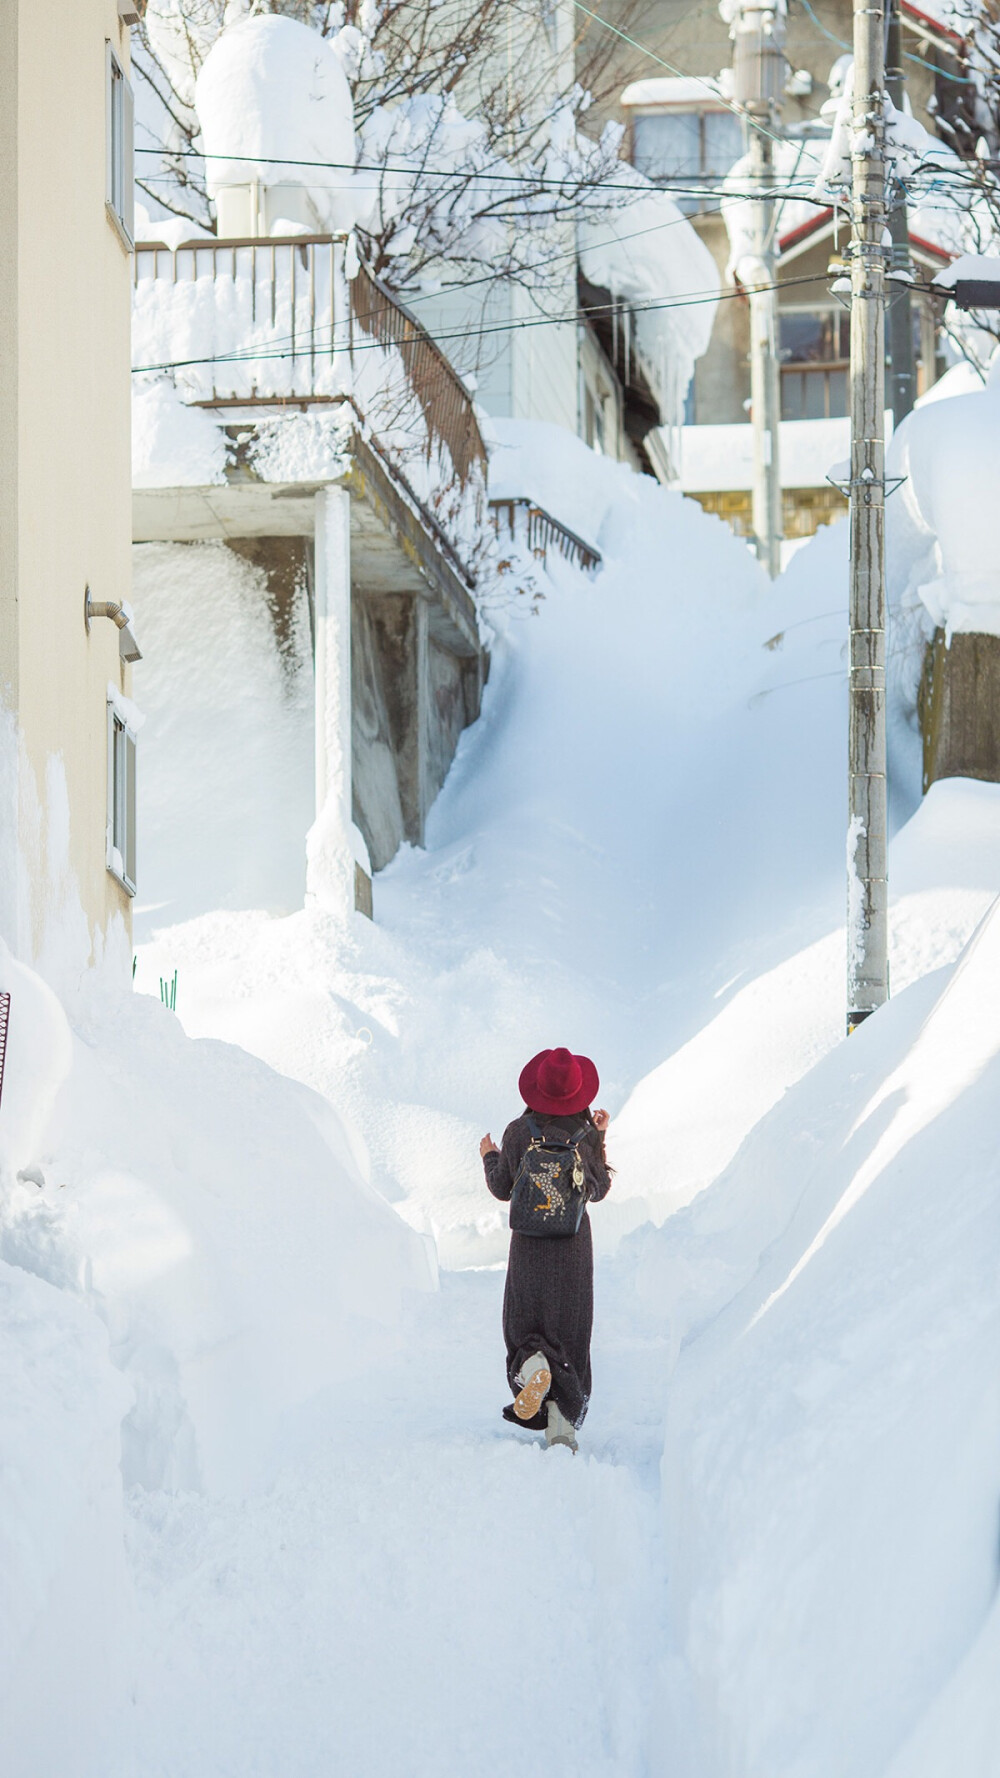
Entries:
{"x":275,"y":322}
{"x":271,"y":320}
{"x":245,"y":321}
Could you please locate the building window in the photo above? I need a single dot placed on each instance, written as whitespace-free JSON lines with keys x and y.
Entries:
{"x":701,"y":144}
{"x":120,"y":130}
{"x":815,"y":360}
{"x":121,"y":799}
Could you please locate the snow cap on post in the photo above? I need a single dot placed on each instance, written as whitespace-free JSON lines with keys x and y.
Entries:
{"x":276,"y":112}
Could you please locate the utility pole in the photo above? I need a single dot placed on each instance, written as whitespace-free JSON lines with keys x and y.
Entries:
{"x":902,"y":380}
{"x":758,"y":30}
{"x":867,"y":898}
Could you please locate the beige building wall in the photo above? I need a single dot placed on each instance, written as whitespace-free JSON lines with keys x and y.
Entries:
{"x":64,"y":459}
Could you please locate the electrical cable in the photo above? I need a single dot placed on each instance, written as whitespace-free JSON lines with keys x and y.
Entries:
{"x":702,"y":79}
{"x":696,"y":299}
{"x":693,"y":185}
{"x":908,"y":55}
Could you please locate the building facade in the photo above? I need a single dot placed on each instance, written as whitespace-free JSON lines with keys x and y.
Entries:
{"x":681,"y":131}
{"x":68,"y":867}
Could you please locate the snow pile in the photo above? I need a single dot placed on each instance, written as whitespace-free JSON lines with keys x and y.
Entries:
{"x":833,"y":1438}
{"x":979,"y":268}
{"x":225,"y":674}
{"x":173,"y":445}
{"x":274,"y":105}
{"x":189,"y":1249}
{"x":942,"y":549}
{"x":529,"y":459}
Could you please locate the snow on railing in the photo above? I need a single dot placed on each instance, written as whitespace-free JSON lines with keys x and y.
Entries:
{"x":244,"y":322}
{"x":269,"y":321}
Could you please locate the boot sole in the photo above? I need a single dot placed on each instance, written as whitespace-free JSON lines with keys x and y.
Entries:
{"x":527,"y":1404}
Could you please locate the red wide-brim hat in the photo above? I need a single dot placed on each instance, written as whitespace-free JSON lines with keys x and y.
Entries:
{"x":558,"y":1083}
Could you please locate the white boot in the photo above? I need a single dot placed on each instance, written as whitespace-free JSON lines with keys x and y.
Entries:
{"x":559,"y":1430}
{"x":534,"y":1379}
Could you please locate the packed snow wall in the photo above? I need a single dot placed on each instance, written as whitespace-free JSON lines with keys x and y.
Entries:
{"x":190,"y":1253}
{"x":226,"y":752}
{"x":944,"y":581}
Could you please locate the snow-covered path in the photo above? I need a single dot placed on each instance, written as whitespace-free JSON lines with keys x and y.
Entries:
{"x":418,"y":1578}
{"x":639,"y":852}
{"x":220,"y":1228}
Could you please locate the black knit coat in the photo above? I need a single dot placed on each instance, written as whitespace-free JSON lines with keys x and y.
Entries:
{"x":548,"y":1303}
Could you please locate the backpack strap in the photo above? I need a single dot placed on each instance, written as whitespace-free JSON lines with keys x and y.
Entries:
{"x":559,"y":1138}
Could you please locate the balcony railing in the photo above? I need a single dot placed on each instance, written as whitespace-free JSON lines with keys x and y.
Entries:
{"x":275,"y":322}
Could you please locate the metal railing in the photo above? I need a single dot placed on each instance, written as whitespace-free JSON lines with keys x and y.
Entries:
{"x":271,"y":322}
{"x":442,"y":395}
{"x":526,"y":523}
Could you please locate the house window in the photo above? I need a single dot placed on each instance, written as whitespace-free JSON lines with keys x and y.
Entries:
{"x":121,"y":799}
{"x":120,"y":130}
{"x":815,"y":361}
{"x":701,"y":144}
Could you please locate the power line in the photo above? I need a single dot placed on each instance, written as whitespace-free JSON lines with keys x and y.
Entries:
{"x":703,"y":80}
{"x":909,"y":55}
{"x":692,"y":186}
{"x":252,"y":355}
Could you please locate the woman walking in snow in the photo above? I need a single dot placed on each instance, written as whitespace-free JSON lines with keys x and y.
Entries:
{"x":551,"y":1165}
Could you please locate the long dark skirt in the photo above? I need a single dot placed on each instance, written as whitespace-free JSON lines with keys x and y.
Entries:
{"x":548,"y":1306}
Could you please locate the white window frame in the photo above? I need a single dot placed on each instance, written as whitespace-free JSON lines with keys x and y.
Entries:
{"x":121,"y":799}
{"x":119,"y":197}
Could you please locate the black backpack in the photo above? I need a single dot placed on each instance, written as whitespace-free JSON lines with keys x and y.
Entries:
{"x":550,"y":1191}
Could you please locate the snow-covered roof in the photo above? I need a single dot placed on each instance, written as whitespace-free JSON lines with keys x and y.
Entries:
{"x":690,"y":90}
{"x":947,"y":19}
{"x":812,"y":229}
{"x":649,"y":254}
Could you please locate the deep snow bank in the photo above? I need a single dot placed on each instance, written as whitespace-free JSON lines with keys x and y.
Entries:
{"x":832,"y":1461}
{"x":189,"y":1249}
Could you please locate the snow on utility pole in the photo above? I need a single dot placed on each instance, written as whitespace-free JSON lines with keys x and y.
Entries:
{"x":903,"y":380}
{"x":758,"y":32}
{"x":867,"y":900}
